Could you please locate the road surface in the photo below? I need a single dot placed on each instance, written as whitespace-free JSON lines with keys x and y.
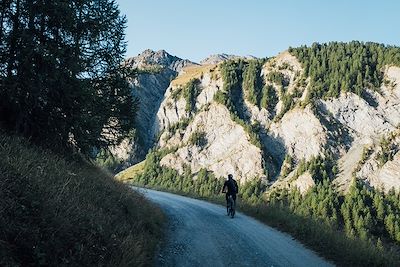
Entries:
{"x":201,"y":234}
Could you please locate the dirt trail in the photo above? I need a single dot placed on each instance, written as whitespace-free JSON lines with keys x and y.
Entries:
{"x":200,"y":234}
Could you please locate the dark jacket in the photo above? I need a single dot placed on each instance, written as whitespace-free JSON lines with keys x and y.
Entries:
{"x":231,"y":187}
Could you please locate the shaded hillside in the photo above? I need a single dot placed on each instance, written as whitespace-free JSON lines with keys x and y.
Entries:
{"x":56,"y":212}
{"x":154,"y":72}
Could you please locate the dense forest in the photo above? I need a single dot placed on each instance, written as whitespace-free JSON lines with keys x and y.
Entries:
{"x":345,"y":67}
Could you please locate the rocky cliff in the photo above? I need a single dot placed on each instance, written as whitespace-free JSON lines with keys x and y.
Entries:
{"x":155,"y":70}
{"x":254,"y":118}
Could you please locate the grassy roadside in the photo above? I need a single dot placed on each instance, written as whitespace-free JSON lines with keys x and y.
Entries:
{"x":55,"y":212}
{"x":327,"y":241}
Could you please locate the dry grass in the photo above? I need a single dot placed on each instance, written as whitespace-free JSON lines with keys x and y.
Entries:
{"x":130,"y":172}
{"x":192,"y":72}
{"x":55,"y":212}
{"x":325,"y":239}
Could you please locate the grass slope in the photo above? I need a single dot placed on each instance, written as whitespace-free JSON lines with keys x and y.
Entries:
{"x":192,"y":72}
{"x":130,"y":172}
{"x":56,"y":212}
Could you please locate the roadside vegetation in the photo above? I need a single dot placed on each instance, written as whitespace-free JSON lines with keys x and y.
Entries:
{"x":59,"y":212}
{"x":357,"y":229}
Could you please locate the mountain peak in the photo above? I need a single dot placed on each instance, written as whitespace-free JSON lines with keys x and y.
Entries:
{"x":217,"y":58}
{"x":161,"y":58}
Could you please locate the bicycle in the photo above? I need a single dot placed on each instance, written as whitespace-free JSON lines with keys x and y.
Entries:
{"x":231,"y":206}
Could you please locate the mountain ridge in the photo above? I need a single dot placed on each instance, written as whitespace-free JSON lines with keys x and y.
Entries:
{"x":286,"y":78}
{"x":313,"y":133}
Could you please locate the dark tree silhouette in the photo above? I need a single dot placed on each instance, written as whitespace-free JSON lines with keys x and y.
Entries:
{"x":61,"y":79}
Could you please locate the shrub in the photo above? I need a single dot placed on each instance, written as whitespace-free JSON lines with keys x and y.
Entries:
{"x":198,"y":138}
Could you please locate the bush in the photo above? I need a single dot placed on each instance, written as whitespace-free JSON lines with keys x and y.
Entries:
{"x":198,"y":138}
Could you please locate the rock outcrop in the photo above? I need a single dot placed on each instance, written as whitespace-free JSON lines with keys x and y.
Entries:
{"x":218,"y":58}
{"x":156,"y":69}
{"x":299,"y":133}
{"x":227,"y":148}
{"x":369,"y":124}
{"x":290,"y":132}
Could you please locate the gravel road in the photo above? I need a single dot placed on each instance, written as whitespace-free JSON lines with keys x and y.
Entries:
{"x":201,"y":234}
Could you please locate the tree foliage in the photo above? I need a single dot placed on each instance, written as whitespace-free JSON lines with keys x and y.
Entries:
{"x":191,"y":91}
{"x":198,"y":138}
{"x":203,"y":184}
{"x":232,"y":97}
{"x":365,"y":213}
{"x":62,"y":83}
{"x":253,"y":82}
{"x":269,"y":98}
{"x":344,"y":67}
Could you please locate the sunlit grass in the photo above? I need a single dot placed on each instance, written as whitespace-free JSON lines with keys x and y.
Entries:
{"x":130,"y":172}
{"x":192,"y":72}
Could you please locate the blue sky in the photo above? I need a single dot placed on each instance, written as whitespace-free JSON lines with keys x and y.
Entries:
{"x":194,"y":29}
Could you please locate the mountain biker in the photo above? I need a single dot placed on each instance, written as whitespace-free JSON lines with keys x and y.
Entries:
{"x":231,"y":188}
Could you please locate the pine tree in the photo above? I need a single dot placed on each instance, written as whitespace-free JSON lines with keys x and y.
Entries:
{"x":61,"y":78}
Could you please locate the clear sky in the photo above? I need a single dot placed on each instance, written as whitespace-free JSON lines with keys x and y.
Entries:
{"x":194,"y":29}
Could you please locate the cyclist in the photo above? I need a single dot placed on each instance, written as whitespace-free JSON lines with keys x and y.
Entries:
{"x":231,"y":188}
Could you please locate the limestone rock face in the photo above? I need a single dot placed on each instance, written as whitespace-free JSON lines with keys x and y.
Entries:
{"x":161,"y":58}
{"x":389,"y":175}
{"x":172,"y":110}
{"x":299,"y":133}
{"x":380,"y":174}
{"x":288,"y":66}
{"x":354,"y":112}
{"x":228,"y":149}
{"x":157,"y":69}
{"x":304,"y":182}
{"x":218,"y":58}
{"x":370,"y":123}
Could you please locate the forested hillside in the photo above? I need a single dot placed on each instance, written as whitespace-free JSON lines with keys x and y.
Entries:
{"x":345,"y":67}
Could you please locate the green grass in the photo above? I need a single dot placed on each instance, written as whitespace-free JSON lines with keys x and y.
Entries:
{"x":58,"y":212}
